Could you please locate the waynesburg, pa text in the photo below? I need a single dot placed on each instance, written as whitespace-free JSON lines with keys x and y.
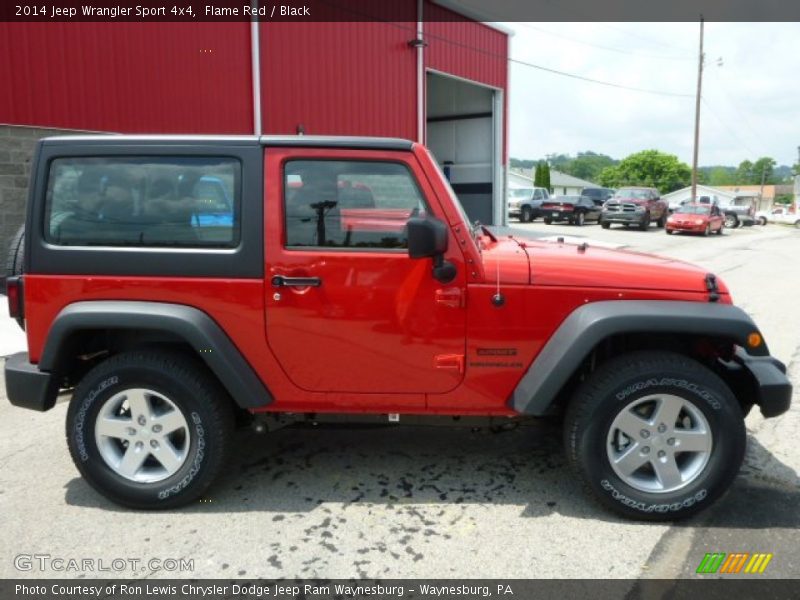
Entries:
{"x":262,"y":591}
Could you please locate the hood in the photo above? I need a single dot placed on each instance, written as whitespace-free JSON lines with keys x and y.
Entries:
{"x":562,"y":264}
{"x":505,"y":260}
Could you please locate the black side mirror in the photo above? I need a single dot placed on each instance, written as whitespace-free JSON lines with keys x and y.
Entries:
{"x":427,"y":238}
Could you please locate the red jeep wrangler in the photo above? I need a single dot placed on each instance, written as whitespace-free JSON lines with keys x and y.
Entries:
{"x":175,"y":286}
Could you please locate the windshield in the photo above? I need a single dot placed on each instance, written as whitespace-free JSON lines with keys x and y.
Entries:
{"x":635,"y":194}
{"x":520,"y":193}
{"x":693,"y":210}
{"x":456,"y":202}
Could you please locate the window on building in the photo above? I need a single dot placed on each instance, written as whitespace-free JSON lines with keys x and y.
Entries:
{"x":349,"y":204}
{"x":144,"y":201}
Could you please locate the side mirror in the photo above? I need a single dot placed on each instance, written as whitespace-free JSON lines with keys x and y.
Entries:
{"x":427,"y":238}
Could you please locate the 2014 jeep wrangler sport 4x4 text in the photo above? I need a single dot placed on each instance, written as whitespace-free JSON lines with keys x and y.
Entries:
{"x":177,"y":286}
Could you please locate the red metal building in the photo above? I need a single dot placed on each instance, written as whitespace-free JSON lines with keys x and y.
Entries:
{"x":416,"y":70}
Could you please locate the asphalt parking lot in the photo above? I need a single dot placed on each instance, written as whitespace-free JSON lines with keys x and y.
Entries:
{"x":429,"y":502}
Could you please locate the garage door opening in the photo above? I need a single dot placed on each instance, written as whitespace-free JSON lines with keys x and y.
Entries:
{"x":464,"y":132}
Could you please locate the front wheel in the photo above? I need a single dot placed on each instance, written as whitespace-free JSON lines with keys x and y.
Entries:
{"x":762,"y":221}
{"x":605,"y":224}
{"x":580,"y":219}
{"x":527,"y":214}
{"x":547,"y":220}
{"x":655,"y":435}
{"x":643,"y":226}
{"x":149,"y":430}
{"x":662,"y":222}
{"x":731,"y":221}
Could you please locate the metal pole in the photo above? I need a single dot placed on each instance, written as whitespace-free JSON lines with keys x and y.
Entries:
{"x":255,"y":69}
{"x":697,"y":113}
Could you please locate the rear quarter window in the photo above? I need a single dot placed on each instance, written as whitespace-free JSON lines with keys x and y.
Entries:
{"x":157,"y":201}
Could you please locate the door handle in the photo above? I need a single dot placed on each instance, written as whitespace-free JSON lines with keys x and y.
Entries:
{"x":282,"y":281}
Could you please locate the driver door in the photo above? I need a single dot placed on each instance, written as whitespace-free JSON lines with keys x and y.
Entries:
{"x":347,"y":310}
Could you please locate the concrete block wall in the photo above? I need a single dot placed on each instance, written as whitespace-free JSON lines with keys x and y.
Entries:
{"x":16,"y":151}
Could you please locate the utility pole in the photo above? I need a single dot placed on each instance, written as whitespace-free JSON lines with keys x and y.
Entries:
{"x":697,"y":113}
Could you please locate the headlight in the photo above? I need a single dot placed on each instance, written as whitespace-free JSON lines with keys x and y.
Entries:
{"x":639,"y":208}
{"x":698,"y":221}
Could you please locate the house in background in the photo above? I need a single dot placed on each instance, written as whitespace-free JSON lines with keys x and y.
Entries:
{"x":561,"y":184}
{"x":717,"y":195}
{"x":765,"y":197}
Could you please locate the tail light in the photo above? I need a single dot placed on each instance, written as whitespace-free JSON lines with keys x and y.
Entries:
{"x":15,"y":300}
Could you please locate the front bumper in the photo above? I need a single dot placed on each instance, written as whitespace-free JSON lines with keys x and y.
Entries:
{"x":622,"y":217}
{"x":691,"y":228}
{"x":27,"y":386}
{"x":767,"y":375}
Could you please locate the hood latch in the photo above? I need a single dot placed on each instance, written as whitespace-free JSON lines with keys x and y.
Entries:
{"x":711,"y":286}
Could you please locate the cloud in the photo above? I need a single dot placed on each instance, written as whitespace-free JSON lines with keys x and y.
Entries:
{"x":750,"y":106}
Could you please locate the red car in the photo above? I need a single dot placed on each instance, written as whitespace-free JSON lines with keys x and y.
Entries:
{"x":348,"y":284}
{"x":696,"y":218}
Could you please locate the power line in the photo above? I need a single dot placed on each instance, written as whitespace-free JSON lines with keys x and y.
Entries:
{"x":427,"y":35}
{"x":643,"y":38}
{"x":601,"y":47}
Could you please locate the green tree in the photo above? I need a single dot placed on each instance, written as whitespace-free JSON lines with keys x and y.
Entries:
{"x":546,"y":176}
{"x":751,"y":173}
{"x":649,"y":168}
{"x":588,"y":165}
{"x":721,"y":176}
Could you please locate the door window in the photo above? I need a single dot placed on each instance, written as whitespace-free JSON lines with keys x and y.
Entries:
{"x":349,"y":204}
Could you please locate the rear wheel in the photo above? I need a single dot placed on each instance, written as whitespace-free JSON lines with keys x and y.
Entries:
{"x":580,"y":219}
{"x":526,"y":216}
{"x":149,"y":430}
{"x":655,"y":435}
{"x":762,"y":221}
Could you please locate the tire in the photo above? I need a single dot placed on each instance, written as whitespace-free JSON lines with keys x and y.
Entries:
{"x":669,"y":231}
{"x":662,"y":222}
{"x":605,"y":225}
{"x":526,"y":216}
{"x":592,"y":433}
{"x":16,"y":256}
{"x":762,"y":221}
{"x":167,"y":386}
{"x":580,"y":219}
{"x":645,"y":224}
{"x":707,"y":232}
{"x":548,"y":220}
{"x":719,"y":230}
{"x":797,"y":224}
{"x":731,"y":221}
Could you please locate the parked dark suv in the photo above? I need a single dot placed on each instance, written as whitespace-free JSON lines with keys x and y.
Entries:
{"x":638,"y":206}
{"x":598,"y":194}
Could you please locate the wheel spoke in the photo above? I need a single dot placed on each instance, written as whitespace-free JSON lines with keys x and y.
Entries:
{"x":691,"y":441}
{"x":667,"y":471}
{"x":171,"y":421}
{"x":631,"y":460}
{"x":132,"y":460}
{"x":114,"y":427}
{"x":630,"y":423}
{"x":167,"y":456}
{"x":139,"y":404}
{"x":667,"y":412}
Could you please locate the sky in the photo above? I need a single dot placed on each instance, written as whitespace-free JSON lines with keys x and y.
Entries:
{"x":751,"y":90}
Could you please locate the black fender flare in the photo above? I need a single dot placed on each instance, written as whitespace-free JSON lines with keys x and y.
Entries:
{"x":190,"y":324}
{"x":590,"y":324}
